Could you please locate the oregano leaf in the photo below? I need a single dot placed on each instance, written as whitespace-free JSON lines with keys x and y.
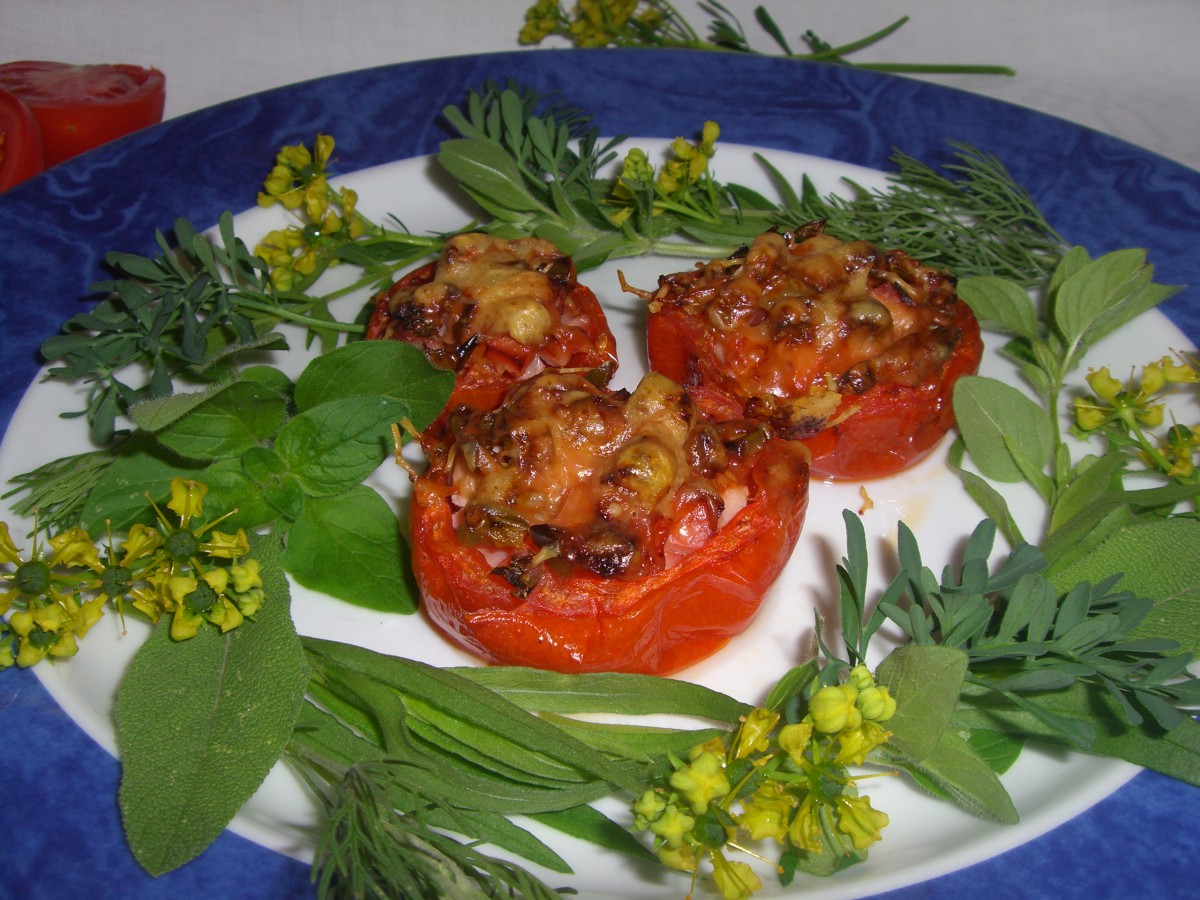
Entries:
{"x":349,"y":546}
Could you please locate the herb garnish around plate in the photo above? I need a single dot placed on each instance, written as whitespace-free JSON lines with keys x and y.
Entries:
{"x":657,"y":23}
{"x":1044,"y":645}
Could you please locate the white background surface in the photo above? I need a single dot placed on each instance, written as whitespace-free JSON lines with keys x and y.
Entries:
{"x":1126,"y":67}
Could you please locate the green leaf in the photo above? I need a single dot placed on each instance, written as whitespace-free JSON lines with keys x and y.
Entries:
{"x":961,"y":774}
{"x":1008,"y":435}
{"x":1105,"y":294}
{"x":241,"y":416}
{"x":392,"y":369}
{"x":926,"y":681}
{"x":998,"y":750}
{"x":120,"y":499}
{"x":604,"y":692}
{"x":350,"y":547}
{"x":490,"y":175}
{"x":333,"y":447}
{"x":1000,"y":304}
{"x":201,"y":722}
{"x":1159,"y":559}
{"x":590,"y":825}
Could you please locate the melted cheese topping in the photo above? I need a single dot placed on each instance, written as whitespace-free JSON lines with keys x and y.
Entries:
{"x":799,"y":312}
{"x":599,"y":477}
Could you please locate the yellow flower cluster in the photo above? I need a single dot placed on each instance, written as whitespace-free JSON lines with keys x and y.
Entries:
{"x":786,"y":782}
{"x":1126,"y":414}
{"x":299,"y":181}
{"x":592,"y":23}
{"x":194,"y":574}
{"x":672,"y":184}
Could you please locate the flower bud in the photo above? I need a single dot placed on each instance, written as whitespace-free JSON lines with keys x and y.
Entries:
{"x":876,"y":704}
{"x":672,"y":826}
{"x":860,"y":676}
{"x":832,"y":709}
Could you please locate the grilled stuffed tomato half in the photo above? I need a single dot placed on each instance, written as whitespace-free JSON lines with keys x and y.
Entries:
{"x":495,"y":311}
{"x":578,"y":528}
{"x":850,"y":349}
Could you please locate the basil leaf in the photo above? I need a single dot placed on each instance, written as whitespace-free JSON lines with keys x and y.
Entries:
{"x":200,"y":723}
{"x":350,"y":547}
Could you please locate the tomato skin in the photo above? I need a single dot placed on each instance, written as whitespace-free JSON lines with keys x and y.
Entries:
{"x":80,"y":107}
{"x":20,"y":142}
{"x":893,"y":426}
{"x":657,"y":625}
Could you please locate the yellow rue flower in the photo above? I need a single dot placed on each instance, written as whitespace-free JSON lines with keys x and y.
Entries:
{"x":648,"y":807}
{"x":1103,"y":385}
{"x":794,"y":740}
{"x":755,"y":732}
{"x":765,"y":813}
{"x":804,"y":833}
{"x":682,"y":858}
{"x":187,"y":499}
{"x":734,"y":880}
{"x":854,"y":744}
{"x":227,"y":546}
{"x":860,"y":821}
{"x":672,"y":826}
{"x":1089,"y":416}
{"x":701,"y":781}
{"x":541,"y":21}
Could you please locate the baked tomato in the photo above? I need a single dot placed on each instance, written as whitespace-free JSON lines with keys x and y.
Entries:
{"x":496,"y":311}
{"x":80,"y":107}
{"x":577,"y":528}
{"x":20,"y":142}
{"x":850,"y":349}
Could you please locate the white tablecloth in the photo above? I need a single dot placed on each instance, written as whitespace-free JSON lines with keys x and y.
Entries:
{"x":1126,"y":67}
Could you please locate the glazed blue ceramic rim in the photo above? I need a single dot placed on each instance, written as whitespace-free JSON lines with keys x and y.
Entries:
{"x":58,"y":795}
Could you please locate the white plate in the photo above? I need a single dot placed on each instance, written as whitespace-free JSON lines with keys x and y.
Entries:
{"x":926,"y":837}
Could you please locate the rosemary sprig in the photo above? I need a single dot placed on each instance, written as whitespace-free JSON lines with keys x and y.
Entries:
{"x":658,"y":23}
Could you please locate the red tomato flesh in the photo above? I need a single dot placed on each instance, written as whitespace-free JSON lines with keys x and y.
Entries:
{"x":79,"y":107}
{"x":20,"y":142}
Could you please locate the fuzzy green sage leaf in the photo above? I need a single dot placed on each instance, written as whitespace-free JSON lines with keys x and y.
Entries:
{"x":201,"y":722}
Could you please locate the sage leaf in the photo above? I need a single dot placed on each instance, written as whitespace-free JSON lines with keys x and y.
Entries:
{"x":350,"y":547}
{"x":1157,"y":558}
{"x":1000,"y":305}
{"x":961,"y":774}
{"x":587,"y":823}
{"x":926,"y":681}
{"x":1008,"y":435}
{"x":333,"y":447}
{"x":392,"y":369}
{"x":200,"y":722}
